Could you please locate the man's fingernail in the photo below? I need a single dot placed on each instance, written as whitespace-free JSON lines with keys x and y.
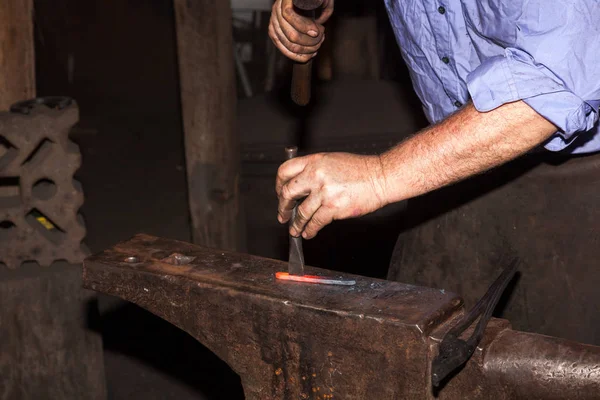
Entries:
{"x":314,"y":55}
{"x":280,"y":219}
{"x":305,"y":235}
{"x":313,"y":33}
{"x":293,"y":232}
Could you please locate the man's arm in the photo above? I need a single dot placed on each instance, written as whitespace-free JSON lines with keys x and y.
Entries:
{"x":341,"y":186}
{"x":465,"y":144}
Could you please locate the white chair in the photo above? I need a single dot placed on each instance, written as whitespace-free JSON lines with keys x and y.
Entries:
{"x":249,"y":12}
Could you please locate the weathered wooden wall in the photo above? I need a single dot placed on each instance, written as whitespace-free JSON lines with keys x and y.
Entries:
{"x":47,"y":349}
{"x":208,"y":97}
{"x":17,"y":55}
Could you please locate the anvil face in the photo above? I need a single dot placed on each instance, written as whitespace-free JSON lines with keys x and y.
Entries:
{"x":284,"y":339}
{"x":291,"y":340}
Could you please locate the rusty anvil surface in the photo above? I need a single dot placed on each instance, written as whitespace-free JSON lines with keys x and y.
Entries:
{"x":290,"y":340}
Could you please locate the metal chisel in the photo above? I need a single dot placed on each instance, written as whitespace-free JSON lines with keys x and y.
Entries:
{"x":296,"y":259}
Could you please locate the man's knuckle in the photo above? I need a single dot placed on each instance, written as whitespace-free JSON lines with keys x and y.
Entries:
{"x":326,"y":193}
{"x":317,"y":221}
{"x":333,"y":201}
{"x":338,"y":202}
{"x":301,"y":214}
{"x":286,"y":193}
{"x":288,"y":12}
{"x":281,"y":171}
{"x":298,"y":49}
{"x":319,"y":174}
{"x":293,"y":36}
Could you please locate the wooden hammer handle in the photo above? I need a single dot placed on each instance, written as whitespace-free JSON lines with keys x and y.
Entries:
{"x":302,"y":73}
{"x":301,"y":83}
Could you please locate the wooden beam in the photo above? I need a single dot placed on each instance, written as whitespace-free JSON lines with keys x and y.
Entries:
{"x":17,"y":54}
{"x":208,"y":98}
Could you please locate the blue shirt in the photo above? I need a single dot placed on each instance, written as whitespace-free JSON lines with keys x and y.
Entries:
{"x":546,"y":53}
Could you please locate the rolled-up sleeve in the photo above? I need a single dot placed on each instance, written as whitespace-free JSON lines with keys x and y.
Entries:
{"x":553,"y":65}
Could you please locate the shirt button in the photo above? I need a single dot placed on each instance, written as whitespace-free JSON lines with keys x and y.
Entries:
{"x":458,"y":104}
{"x":446,"y":60}
{"x":441,"y":10}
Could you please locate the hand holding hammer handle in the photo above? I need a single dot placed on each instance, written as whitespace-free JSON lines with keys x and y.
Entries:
{"x":302,"y":74}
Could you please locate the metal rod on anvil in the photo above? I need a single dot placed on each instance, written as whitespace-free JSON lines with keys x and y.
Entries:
{"x":323,"y":280}
{"x":373,"y":340}
{"x":296,"y":254}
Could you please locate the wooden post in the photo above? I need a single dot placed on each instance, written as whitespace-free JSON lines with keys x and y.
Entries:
{"x":208,"y":98}
{"x":17,"y":54}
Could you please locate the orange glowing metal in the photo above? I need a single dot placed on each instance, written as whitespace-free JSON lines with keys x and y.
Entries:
{"x":323,"y":280}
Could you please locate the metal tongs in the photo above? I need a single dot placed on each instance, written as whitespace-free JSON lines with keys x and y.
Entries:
{"x":454,"y":351}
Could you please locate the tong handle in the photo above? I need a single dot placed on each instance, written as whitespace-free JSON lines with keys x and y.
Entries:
{"x":453,"y":351}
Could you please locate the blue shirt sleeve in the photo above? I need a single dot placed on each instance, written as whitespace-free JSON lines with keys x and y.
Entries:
{"x":551,"y":61}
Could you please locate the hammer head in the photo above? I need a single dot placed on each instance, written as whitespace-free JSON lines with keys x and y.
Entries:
{"x":308,"y":5}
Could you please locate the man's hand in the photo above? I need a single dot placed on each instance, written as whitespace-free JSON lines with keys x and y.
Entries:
{"x":297,"y":37}
{"x":336,"y":186}
{"x":469,"y":142}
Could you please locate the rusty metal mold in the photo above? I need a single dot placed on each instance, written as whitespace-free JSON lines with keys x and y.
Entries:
{"x":39,"y":199}
{"x":288,"y":340}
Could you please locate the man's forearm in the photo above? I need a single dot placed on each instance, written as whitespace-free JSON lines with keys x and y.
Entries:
{"x":465,"y":144}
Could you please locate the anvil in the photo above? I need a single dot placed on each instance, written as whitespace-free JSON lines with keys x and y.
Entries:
{"x":374,"y":340}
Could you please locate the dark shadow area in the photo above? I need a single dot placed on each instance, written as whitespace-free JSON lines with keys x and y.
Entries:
{"x":10,"y":192}
{"x":437,"y":391}
{"x":136,"y":333}
{"x":361,"y":246}
{"x":434,"y":204}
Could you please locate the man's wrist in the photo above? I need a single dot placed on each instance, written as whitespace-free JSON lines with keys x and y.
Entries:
{"x":378,"y":179}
